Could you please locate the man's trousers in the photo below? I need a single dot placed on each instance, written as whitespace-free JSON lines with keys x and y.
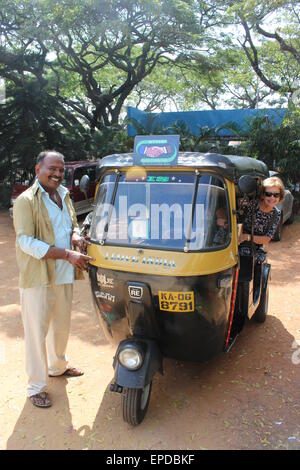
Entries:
{"x":46,"y":314}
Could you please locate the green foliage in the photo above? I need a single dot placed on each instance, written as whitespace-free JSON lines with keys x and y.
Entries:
{"x":70,"y":66}
{"x":207,"y":140}
{"x":109,"y":140}
{"x":278,"y":147}
{"x":32,"y":120}
{"x":270,"y":39}
{"x":149,"y":126}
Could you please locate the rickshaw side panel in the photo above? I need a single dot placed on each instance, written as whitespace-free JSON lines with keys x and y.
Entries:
{"x":195,"y":336}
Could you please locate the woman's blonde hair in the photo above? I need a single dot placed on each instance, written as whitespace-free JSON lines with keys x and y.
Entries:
{"x":273,"y":182}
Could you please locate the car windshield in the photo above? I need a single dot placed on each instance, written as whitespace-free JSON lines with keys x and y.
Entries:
{"x":167,"y":210}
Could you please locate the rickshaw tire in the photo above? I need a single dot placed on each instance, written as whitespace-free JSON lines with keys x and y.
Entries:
{"x":134,"y":405}
{"x":262,"y":310}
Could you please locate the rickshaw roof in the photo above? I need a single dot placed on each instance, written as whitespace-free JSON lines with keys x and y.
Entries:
{"x":229,"y":166}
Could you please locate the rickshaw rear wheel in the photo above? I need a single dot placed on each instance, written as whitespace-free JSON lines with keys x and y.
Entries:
{"x":262,"y":310}
{"x":135,"y":403}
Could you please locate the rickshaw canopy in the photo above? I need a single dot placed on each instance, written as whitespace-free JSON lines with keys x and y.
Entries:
{"x":228,"y":166}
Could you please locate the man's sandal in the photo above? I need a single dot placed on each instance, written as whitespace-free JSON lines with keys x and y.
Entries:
{"x":41,"y":400}
{"x":70,"y":372}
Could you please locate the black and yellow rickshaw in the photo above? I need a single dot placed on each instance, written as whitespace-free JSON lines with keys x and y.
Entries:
{"x":170,"y":280}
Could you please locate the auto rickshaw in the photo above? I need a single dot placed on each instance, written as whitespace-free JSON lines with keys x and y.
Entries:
{"x":168,"y":280}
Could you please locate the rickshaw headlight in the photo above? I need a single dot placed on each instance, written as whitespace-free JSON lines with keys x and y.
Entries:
{"x":131,"y":358}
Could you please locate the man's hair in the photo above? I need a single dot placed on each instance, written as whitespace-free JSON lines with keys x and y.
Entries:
{"x":41,"y":156}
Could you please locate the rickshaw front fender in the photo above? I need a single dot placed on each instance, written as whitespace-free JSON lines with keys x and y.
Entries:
{"x":141,"y":377}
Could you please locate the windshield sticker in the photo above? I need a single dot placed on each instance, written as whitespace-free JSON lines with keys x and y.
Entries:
{"x":158,"y":179}
{"x":156,"y":150}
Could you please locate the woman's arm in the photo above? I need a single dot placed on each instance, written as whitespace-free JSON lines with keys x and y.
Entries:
{"x":260,"y":240}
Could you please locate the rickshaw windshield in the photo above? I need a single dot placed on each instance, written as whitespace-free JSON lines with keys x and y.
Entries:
{"x":162,"y":209}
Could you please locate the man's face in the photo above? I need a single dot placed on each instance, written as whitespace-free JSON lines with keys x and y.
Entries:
{"x":50,"y":172}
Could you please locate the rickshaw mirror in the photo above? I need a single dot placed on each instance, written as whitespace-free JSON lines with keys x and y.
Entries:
{"x":84,"y":185}
{"x":247,"y":184}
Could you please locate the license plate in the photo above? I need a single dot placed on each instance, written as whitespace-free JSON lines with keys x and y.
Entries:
{"x":176,"y":301}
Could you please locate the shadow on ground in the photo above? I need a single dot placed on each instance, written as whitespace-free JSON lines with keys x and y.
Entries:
{"x":232,"y":401}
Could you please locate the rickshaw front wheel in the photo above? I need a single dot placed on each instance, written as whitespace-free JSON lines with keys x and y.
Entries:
{"x":262,"y":310}
{"x":135,"y":403}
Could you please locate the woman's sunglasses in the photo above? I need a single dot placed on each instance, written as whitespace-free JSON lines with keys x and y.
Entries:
{"x":272,"y":194}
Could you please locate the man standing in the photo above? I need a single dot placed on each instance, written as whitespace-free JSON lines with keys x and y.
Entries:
{"x":46,"y":233}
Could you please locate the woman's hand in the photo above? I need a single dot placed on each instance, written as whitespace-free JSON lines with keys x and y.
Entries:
{"x":244,"y":237}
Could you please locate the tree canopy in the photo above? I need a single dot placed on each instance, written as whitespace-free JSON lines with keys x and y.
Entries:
{"x":71,"y":66}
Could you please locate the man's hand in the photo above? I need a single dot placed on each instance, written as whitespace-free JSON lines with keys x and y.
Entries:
{"x":78,"y":260}
{"x":79,"y":242}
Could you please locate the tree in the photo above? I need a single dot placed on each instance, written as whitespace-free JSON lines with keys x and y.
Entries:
{"x":70,"y":64}
{"x":32,"y":120}
{"x":158,"y":91}
{"x":113,"y":45}
{"x":225,"y":79}
{"x":110,"y":46}
{"x":275,"y":24}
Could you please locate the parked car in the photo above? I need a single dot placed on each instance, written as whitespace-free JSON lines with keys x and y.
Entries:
{"x":74,"y":171}
{"x":286,"y":207}
{"x":73,"y":174}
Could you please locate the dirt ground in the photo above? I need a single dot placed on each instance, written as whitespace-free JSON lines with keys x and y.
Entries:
{"x":246,"y":399}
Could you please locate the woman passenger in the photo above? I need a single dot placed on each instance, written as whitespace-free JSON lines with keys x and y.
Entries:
{"x":266,"y":214}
